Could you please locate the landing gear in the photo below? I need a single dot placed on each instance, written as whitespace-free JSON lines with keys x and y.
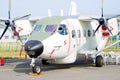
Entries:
{"x":35,"y":69}
{"x":99,"y":61}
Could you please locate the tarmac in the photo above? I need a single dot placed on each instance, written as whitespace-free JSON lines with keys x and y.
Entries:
{"x":19,"y":69}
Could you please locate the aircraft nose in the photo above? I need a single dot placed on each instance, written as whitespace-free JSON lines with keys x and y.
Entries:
{"x":34,"y":48}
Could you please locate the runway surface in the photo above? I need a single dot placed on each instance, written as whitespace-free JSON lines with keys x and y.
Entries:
{"x":18,"y":69}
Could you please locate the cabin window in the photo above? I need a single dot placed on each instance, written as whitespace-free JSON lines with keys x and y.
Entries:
{"x":62,"y":29}
{"x":79,"y":35}
{"x":37,"y":27}
{"x":93,"y":32}
{"x":50,"y":28}
{"x":73,"y":33}
{"x":6,"y":37}
{"x":89,"y":33}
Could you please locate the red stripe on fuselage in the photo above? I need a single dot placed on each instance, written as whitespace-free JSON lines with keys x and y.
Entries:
{"x":51,"y":53}
{"x":69,"y":38}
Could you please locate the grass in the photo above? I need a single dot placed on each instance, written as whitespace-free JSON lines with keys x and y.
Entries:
{"x":12,"y":54}
{"x":114,"y":50}
{"x":17,"y":53}
{"x":12,"y":50}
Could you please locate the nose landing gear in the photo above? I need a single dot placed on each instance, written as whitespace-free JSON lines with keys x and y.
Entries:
{"x":35,"y":69}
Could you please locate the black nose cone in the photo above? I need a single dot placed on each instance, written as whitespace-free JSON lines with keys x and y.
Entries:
{"x":34,"y":48}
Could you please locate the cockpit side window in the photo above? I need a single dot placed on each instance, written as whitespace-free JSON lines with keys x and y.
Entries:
{"x":37,"y":27}
{"x":50,"y":28}
{"x":62,"y":29}
{"x":73,"y":34}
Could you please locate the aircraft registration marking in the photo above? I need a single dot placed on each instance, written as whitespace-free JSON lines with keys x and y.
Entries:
{"x":65,"y":42}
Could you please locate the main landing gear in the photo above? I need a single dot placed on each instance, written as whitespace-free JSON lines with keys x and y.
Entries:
{"x":99,"y":61}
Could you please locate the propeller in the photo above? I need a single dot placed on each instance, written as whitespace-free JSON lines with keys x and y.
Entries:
{"x":11,"y":23}
{"x":103,"y":21}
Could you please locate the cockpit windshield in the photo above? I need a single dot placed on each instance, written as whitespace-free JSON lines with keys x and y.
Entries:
{"x":37,"y":27}
{"x":62,"y":29}
{"x":50,"y":28}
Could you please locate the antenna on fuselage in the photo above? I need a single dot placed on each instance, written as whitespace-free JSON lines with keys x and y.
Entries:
{"x":61,"y":11}
{"x":73,"y":8}
{"x":49,"y":13}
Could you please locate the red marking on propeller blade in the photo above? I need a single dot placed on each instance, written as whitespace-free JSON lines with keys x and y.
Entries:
{"x":104,"y":28}
{"x":106,"y":34}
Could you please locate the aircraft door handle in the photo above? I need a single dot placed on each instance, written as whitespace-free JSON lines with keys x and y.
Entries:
{"x":57,"y":47}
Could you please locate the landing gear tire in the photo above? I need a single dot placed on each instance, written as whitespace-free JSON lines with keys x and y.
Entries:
{"x":99,"y":61}
{"x":36,"y":69}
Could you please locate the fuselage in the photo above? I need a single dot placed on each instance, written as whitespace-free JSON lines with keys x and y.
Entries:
{"x":62,"y":38}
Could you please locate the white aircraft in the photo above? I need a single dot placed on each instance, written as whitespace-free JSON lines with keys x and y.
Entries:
{"x":61,"y":39}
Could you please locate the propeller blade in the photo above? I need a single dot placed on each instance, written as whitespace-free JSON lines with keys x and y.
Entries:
{"x":21,"y":17}
{"x":113,"y":17}
{"x":108,"y":29}
{"x":9,"y":7}
{"x":4,"y":31}
{"x":102,"y":8}
{"x":17,"y":34}
{"x":19,"y":38}
{"x":97,"y":28}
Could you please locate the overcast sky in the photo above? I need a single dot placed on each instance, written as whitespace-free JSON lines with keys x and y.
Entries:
{"x":39,"y":8}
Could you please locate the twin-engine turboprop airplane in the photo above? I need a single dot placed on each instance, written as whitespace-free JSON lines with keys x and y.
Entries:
{"x":61,"y":39}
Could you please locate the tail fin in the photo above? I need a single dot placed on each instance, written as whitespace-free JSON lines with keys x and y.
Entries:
{"x":113,"y":24}
{"x":73,"y":8}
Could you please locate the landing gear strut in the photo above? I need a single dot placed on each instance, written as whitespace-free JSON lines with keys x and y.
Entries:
{"x":35,"y":69}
